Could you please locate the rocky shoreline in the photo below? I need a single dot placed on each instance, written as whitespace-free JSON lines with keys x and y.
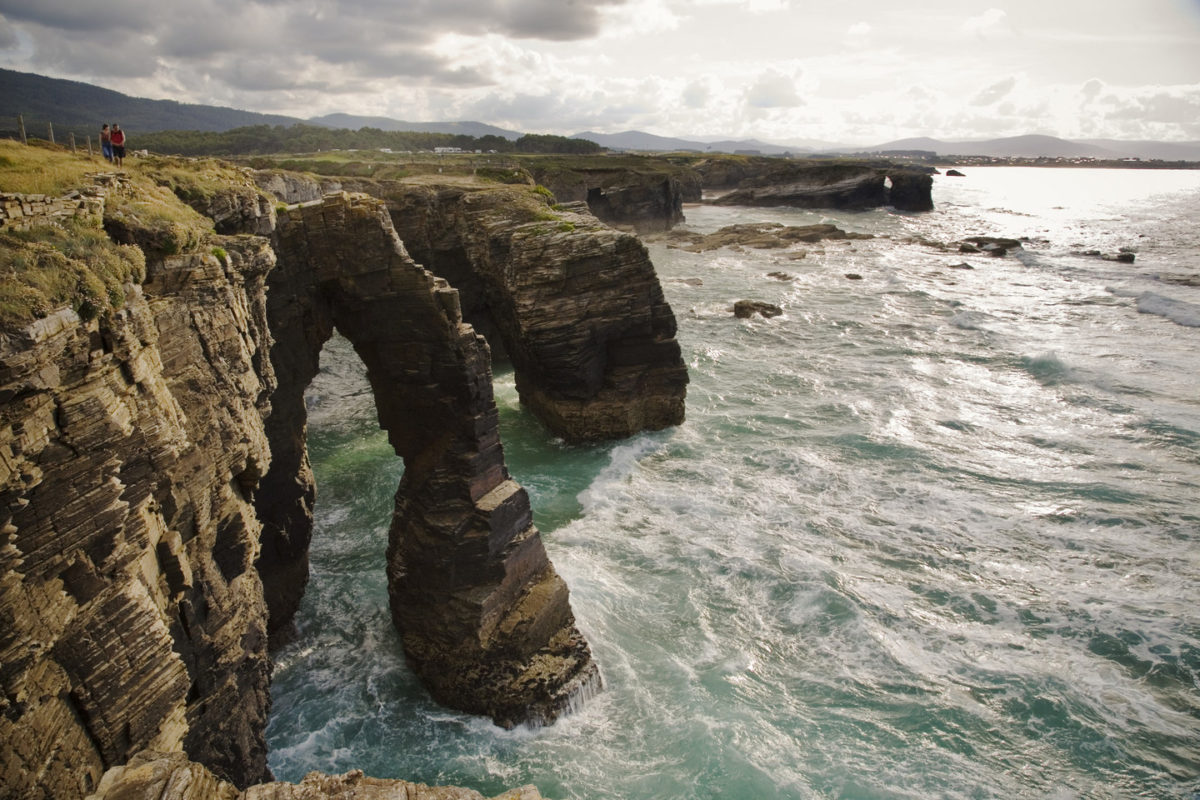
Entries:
{"x":156,"y":493}
{"x":154,"y":480}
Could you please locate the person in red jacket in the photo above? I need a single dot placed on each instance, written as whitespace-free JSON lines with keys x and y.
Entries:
{"x":118,"y":145}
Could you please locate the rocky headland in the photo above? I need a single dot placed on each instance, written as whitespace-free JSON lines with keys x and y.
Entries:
{"x":816,"y":184}
{"x":156,"y":494}
{"x":644,"y":193}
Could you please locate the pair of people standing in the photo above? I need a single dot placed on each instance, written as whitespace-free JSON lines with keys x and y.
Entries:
{"x":112,"y":144}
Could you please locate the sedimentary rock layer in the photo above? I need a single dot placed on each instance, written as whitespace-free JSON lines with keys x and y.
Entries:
{"x":130,"y":445}
{"x":816,"y":184}
{"x":484,"y":618}
{"x":171,"y":776}
{"x":152,"y":457}
{"x":575,"y":305}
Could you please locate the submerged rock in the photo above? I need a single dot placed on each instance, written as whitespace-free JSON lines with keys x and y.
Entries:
{"x":994,"y":246}
{"x":744,"y":309}
{"x":759,"y":235}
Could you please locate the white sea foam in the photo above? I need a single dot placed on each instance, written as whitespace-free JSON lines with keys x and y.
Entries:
{"x":1178,"y":311}
{"x":883,"y":550}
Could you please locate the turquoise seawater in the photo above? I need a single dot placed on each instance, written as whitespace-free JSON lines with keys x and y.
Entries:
{"x":932,"y":533}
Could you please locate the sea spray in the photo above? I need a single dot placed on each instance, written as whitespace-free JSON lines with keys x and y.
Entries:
{"x":932,"y":533}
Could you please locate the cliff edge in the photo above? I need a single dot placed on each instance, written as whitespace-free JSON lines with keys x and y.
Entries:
{"x":155,"y":495}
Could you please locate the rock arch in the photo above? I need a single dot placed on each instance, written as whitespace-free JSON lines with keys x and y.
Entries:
{"x":484,"y":618}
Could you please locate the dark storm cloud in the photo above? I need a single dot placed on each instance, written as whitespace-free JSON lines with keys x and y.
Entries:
{"x":8,"y":35}
{"x":265,"y":45}
{"x":73,"y":15}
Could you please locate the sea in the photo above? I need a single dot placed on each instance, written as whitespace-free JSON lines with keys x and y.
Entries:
{"x":933,"y":532}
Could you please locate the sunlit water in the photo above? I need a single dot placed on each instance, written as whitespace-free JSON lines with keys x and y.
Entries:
{"x":931,"y":533}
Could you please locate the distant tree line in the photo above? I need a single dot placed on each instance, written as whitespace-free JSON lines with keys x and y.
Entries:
{"x":267,"y":139}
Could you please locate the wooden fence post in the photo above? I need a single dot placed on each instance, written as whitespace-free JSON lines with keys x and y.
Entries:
{"x":71,"y":137}
{"x":21,"y":125}
{"x":51,"y":125}
{"x":90,"y":153}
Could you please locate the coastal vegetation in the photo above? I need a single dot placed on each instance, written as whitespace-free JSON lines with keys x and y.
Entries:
{"x":84,"y":260}
{"x":73,"y":263}
{"x":302,"y":138}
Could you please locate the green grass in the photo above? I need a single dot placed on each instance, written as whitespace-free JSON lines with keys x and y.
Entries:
{"x":44,"y":169}
{"x":50,"y":266}
{"x":84,"y":262}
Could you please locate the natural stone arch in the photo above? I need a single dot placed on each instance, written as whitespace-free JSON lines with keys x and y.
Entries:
{"x":484,"y":618}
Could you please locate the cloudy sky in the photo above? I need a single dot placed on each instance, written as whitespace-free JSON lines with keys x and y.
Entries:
{"x":860,"y":72}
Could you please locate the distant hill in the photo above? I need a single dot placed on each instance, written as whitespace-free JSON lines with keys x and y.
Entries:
{"x":1036,"y":145}
{"x":353,"y":122}
{"x":73,"y":106}
{"x":83,"y":108}
{"x":651,"y":143}
{"x":1167,"y":151}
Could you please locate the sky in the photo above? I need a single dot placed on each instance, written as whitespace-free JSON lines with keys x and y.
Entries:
{"x":787,"y":71}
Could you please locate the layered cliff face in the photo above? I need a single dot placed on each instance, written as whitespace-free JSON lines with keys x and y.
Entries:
{"x":574,"y":304}
{"x":816,"y":184}
{"x":484,"y":618}
{"x":152,"y":454}
{"x":130,"y":448}
{"x":646,"y":199}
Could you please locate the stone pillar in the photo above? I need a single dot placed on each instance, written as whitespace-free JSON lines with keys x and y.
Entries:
{"x":484,"y":619}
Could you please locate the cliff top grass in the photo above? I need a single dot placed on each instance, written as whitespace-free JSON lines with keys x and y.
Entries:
{"x":193,"y":180}
{"x":51,"y":266}
{"x":39,"y":168}
{"x":85,"y":262}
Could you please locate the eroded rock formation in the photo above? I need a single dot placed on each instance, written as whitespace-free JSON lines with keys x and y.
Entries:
{"x":484,"y":618}
{"x":647,"y":198}
{"x":171,"y":776}
{"x":151,"y":457}
{"x":130,"y":614}
{"x":816,"y":184}
{"x":759,"y":235}
{"x":575,"y":305}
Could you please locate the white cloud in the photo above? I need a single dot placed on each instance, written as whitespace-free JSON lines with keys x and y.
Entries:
{"x":696,"y":94}
{"x":992,"y":22}
{"x":994,"y":93}
{"x":865,"y":72}
{"x":773,"y":90}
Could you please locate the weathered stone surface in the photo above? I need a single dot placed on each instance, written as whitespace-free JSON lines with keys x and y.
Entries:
{"x":744,"y":309}
{"x":759,"y":235}
{"x":151,"y":457}
{"x":574,"y":304}
{"x":910,"y":190}
{"x":151,"y":775}
{"x":647,"y":199}
{"x":129,"y":614}
{"x":484,"y":619}
{"x":816,"y":184}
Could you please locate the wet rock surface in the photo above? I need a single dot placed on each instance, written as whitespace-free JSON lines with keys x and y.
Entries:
{"x":484,"y":618}
{"x":758,"y":235}
{"x":157,"y":502}
{"x":744,"y":309}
